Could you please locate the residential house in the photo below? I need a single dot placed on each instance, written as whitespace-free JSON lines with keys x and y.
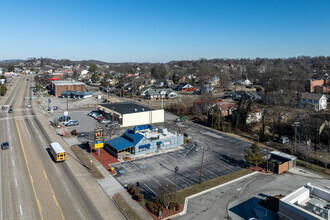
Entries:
{"x":319,"y":85}
{"x":185,"y":87}
{"x":167,"y":93}
{"x":207,"y":89}
{"x":215,"y":81}
{"x":254,"y":115}
{"x":313,"y":101}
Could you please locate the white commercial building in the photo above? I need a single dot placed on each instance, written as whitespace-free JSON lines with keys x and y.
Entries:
{"x":131,"y":114}
{"x":308,"y":202}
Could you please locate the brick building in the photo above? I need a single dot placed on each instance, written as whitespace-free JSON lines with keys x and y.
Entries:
{"x":61,"y":86}
{"x":319,"y":85}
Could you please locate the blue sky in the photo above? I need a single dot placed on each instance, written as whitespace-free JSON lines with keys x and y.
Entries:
{"x":161,"y":31}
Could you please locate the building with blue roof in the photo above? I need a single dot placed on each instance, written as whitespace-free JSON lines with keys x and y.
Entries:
{"x":142,"y":139}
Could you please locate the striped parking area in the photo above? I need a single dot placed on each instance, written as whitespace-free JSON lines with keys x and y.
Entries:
{"x":222,"y":155}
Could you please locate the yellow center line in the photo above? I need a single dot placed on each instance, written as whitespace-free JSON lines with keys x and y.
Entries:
{"x":31,"y":179}
{"x":51,"y":188}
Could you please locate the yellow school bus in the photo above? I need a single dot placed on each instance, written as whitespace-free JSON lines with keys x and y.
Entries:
{"x":57,"y":151}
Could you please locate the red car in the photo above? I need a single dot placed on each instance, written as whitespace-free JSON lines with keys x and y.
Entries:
{"x":100,"y":117}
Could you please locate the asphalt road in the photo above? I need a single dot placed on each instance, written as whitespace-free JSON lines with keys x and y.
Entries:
{"x":32,"y":186}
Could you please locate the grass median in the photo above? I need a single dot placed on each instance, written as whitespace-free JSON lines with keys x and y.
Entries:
{"x":313,"y":168}
{"x":86,"y":162}
{"x":124,"y":207}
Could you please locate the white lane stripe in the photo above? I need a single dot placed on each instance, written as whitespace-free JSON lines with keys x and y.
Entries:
{"x":151,"y":189}
{"x":16,"y":182}
{"x":13,"y":162}
{"x":173,"y":183}
{"x":27,"y":130}
{"x":20,"y":208}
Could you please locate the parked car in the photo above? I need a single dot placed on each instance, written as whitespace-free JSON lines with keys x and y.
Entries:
{"x":95,"y":116}
{"x":53,"y":108}
{"x":92,"y":113}
{"x":4,"y":145}
{"x":10,"y":110}
{"x":28,"y":105}
{"x":283,"y":140}
{"x":112,"y":124}
{"x":104,"y":121}
{"x":100,"y":117}
{"x":71,"y":123}
{"x":64,"y":118}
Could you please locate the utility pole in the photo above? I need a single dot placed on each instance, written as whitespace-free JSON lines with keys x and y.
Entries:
{"x":295,"y":125}
{"x":200,"y":178}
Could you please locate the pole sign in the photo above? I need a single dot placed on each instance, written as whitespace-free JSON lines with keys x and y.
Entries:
{"x":98,"y":138}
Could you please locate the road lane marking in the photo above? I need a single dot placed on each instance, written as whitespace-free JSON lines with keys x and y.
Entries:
{"x":13,"y":162}
{"x":27,"y":166}
{"x":20,"y":208}
{"x":16,"y":182}
{"x":27,"y":129}
{"x":51,"y":188}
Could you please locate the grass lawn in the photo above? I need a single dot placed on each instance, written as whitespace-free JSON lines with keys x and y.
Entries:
{"x":124,"y":207}
{"x":313,"y":168}
{"x":86,"y":162}
{"x":182,"y":194}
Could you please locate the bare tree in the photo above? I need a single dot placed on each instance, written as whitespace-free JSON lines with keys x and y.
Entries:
{"x":305,"y":150}
{"x":166,"y":193}
{"x":325,"y":158}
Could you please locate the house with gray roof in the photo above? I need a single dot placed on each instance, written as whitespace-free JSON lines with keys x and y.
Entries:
{"x":313,"y":101}
{"x":167,"y":93}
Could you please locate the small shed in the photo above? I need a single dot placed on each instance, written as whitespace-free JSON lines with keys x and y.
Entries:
{"x":282,"y":162}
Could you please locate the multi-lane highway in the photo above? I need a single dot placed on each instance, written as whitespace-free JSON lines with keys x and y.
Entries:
{"x":32,"y":186}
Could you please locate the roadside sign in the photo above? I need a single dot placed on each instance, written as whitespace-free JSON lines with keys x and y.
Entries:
{"x":98,"y":135}
{"x":100,"y":145}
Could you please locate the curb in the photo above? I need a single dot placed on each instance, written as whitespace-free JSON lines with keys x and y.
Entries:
{"x":185,"y":207}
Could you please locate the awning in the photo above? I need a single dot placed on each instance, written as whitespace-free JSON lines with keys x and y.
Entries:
{"x":144,"y":146}
{"x":159,"y":143}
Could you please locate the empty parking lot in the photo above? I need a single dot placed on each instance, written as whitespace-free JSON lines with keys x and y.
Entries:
{"x":222,"y":155}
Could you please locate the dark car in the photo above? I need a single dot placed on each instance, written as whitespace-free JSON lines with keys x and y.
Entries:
{"x":4,"y":145}
{"x":64,"y":118}
{"x":10,"y":110}
{"x":112,"y":124}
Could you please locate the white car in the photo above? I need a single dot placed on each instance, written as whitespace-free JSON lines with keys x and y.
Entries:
{"x":28,"y":105}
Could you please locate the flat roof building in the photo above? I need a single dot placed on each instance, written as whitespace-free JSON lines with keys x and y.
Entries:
{"x":132,"y":114}
{"x":58,"y":87}
{"x":307,"y":202}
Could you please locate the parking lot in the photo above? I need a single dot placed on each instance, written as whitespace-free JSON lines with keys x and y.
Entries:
{"x":222,"y":155}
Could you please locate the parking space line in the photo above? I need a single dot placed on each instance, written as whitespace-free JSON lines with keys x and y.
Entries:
{"x":173,"y":183}
{"x":151,"y":189}
{"x":184,"y":181}
{"x":130,"y":162}
{"x":210,"y":172}
{"x":171,"y":156}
